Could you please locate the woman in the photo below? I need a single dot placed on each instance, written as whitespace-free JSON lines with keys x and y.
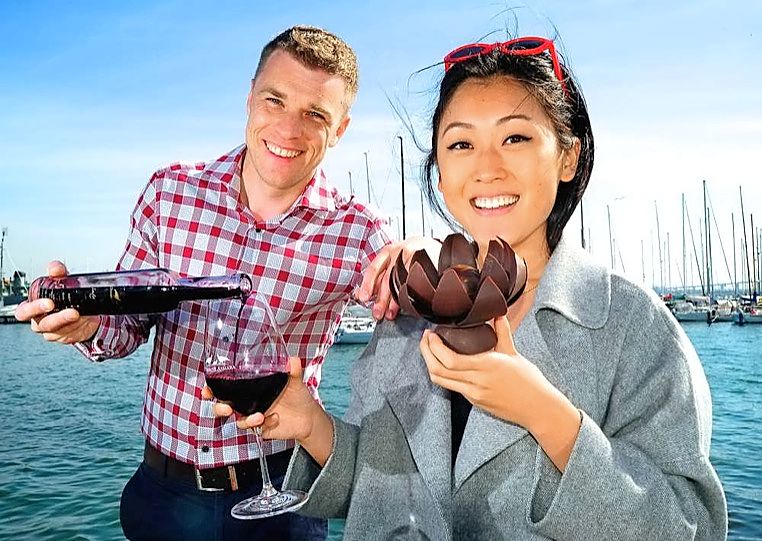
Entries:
{"x":591,"y":418}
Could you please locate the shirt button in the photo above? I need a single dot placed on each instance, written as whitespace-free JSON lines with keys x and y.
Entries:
{"x":205,"y":449}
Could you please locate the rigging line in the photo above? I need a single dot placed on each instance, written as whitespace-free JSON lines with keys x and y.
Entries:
{"x":717,"y":227}
{"x":386,"y":182}
{"x":383,"y":191}
{"x":680,"y":274}
{"x":621,"y":261}
{"x":693,"y":244}
{"x":10,"y":257}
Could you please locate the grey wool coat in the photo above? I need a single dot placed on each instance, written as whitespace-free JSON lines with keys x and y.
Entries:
{"x":639,"y":469}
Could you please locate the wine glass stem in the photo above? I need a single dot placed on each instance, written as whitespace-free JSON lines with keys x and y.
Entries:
{"x":267,"y":487}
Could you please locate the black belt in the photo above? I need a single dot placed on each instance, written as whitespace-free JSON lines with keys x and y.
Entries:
{"x":236,"y":477}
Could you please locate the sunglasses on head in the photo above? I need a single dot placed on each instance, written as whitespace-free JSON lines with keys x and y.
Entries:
{"x":526,"y":46}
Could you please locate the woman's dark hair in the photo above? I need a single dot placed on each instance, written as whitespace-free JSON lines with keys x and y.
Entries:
{"x":567,"y":112}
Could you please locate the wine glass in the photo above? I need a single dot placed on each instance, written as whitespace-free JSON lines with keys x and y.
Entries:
{"x":246,"y":364}
{"x":411,"y":530}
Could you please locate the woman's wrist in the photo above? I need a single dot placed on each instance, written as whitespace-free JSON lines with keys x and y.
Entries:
{"x":556,"y":427}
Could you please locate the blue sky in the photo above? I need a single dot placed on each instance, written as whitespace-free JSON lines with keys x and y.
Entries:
{"x":94,"y":96}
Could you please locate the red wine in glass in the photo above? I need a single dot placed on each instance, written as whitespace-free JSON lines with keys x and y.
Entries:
{"x":248,"y":395}
{"x":246,"y":364}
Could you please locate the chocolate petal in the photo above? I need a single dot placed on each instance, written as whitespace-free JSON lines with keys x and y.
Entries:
{"x":494,"y":270}
{"x":422,"y":258}
{"x":405,"y":303}
{"x":397,"y":278}
{"x":489,"y":304}
{"x":505,"y":255}
{"x":521,"y":281}
{"x":456,"y":250}
{"x":419,"y":285}
{"x":469,"y":340}
{"x":451,"y":299}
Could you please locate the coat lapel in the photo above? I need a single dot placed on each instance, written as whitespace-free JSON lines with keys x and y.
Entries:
{"x":423,"y":410}
{"x":487,"y":436}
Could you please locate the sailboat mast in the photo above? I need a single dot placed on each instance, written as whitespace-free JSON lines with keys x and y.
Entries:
{"x":658,"y":242}
{"x":759,"y":257}
{"x":653,"y":258}
{"x":611,"y":241}
{"x":685,"y":275}
{"x":2,"y":255}
{"x":735,"y":265}
{"x":702,"y":264}
{"x":423,"y":214}
{"x":367,"y":175}
{"x":669,"y":263}
{"x":402,"y":187}
{"x":695,"y":254}
{"x":708,"y":255}
{"x":745,"y":244}
{"x":753,"y":255}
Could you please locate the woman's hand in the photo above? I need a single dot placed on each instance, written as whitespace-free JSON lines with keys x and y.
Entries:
{"x":295,"y":415}
{"x":510,"y":387}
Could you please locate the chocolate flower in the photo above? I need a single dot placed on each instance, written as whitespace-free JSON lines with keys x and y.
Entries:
{"x":456,"y":295}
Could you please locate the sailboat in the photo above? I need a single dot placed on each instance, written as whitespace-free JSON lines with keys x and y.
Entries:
{"x":13,"y":290}
{"x":705,"y":307}
{"x":749,"y":306}
{"x":356,"y":327}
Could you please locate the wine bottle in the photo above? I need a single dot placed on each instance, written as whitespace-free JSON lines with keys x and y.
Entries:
{"x":147,"y":291}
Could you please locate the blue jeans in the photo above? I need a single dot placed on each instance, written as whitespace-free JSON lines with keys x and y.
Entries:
{"x":156,"y":508}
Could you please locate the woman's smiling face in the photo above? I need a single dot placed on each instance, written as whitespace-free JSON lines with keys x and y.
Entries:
{"x":500,"y":163}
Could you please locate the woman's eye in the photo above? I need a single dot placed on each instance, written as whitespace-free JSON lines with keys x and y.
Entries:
{"x":515,"y":138}
{"x":459,"y":145}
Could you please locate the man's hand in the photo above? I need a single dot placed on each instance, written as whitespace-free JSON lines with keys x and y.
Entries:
{"x":66,"y":326}
{"x":295,"y":415}
{"x":375,"y":281}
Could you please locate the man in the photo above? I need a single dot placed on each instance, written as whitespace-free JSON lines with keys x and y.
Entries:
{"x":265,"y":209}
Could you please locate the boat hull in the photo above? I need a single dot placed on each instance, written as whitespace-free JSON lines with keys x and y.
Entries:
{"x":741,"y":318}
{"x":353,"y":337}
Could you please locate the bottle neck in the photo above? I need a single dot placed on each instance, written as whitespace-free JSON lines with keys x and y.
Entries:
{"x":214,"y":287}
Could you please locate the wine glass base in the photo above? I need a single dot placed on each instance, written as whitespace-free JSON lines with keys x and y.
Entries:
{"x":407,"y":533}
{"x":269,"y":506}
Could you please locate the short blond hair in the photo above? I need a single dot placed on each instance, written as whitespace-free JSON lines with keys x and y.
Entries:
{"x":319,"y":49}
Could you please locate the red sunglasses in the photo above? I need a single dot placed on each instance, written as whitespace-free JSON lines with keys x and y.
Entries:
{"x":526,"y":46}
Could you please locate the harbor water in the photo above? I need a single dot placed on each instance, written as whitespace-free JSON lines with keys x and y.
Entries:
{"x":71,"y":439}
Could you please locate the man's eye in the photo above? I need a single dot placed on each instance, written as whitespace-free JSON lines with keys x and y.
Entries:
{"x":315,"y":114}
{"x":274,"y":101}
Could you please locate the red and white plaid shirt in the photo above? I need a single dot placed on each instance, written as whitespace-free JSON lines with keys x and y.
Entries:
{"x":308,"y":260}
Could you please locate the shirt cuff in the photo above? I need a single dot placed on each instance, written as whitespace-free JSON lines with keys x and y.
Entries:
{"x":100,"y":346}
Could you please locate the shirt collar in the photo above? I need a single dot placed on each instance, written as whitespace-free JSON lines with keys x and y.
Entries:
{"x":227,"y":168}
{"x":317,"y":195}
{"x":575,"y":286}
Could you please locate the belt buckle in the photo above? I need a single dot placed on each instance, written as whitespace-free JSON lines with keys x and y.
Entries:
{"x":200,"y":483}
